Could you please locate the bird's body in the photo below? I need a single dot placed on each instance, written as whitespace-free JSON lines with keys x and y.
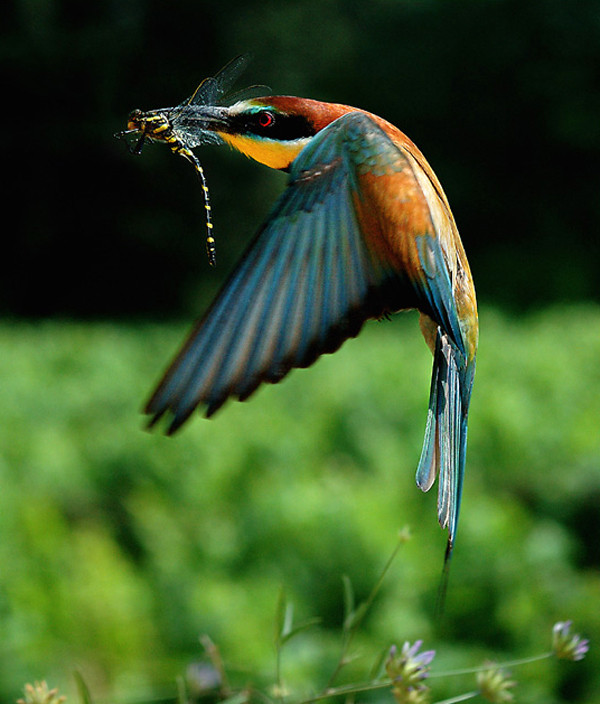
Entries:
{"x":362,"y":230}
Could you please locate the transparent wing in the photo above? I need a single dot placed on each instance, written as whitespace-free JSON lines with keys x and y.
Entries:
{"x":185,"y":118}
{"x":189,"y":130}
{"x":214,"y":88}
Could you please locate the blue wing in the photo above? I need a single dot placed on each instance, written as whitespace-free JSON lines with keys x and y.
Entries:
{"x":307,"y":282}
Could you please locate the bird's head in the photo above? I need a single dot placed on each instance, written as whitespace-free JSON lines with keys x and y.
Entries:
{"x":274,"y":129}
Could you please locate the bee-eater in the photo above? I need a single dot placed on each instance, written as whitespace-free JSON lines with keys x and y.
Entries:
{"x":362,"y":230}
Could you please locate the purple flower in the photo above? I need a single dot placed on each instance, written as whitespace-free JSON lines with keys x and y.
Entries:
{"x":407,"y":671}
{"x":568,"y":646}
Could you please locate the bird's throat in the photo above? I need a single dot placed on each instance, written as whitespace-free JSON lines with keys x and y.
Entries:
{"x":273,"y":153}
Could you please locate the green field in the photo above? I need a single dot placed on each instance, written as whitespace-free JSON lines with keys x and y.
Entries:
{"x":121,"y":547}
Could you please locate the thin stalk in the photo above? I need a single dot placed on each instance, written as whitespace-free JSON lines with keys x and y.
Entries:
{"x":481,"y":668}
{"x":459,"y":698}
{"x":347,"y":689}
{"x":364,"y":607}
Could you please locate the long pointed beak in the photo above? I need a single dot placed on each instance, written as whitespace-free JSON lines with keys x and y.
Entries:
{"x":212,"y":118}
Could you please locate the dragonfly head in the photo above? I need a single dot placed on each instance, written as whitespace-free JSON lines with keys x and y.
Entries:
{"x":144,"y":124}
{"x":135,"y":121}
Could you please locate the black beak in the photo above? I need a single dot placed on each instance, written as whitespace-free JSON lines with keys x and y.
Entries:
{"x":212,"y":118}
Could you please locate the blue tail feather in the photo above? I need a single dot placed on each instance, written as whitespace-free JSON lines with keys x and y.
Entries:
{"x":445,"y":443}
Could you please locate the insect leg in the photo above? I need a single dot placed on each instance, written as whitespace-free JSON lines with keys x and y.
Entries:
{"x":138,"y":146}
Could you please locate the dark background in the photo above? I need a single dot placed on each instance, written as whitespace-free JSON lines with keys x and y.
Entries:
{"x":502,"y":97}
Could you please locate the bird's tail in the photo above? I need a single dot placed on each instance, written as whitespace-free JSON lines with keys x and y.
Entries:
{"x":445,"y":444}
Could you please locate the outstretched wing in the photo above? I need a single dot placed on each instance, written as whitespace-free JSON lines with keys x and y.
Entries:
{"x":310,"y":279}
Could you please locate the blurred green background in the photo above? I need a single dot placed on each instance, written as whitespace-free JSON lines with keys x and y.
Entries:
{"x":119,"y":547}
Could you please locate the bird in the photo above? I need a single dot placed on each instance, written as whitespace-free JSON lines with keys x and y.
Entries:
{"x":362,"y":230}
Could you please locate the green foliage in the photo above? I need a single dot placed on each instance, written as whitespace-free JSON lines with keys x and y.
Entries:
{"x":120,"y":547}
{"x":404,"y":672}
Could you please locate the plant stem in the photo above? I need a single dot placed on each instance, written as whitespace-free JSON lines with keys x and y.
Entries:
{"x":383,"y":684}
{"x":473,"y":670}
{"x":459,"y":698}
{"x":364,"y":607}
{"x":347,"y":689}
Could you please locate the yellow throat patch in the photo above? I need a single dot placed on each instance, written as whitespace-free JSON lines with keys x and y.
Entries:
{"x":271,"y":152}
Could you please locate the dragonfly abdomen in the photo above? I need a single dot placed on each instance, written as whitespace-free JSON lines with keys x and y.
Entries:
{"x":179,"y":147}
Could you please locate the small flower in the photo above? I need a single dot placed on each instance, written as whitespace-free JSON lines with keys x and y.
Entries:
{"x":202,"y":677}
{"x":39,"y":693}
{"x":404,"y":534}
{"x":567,"y":646}
{"x":407,"y":672}
{"x":494,"y":684}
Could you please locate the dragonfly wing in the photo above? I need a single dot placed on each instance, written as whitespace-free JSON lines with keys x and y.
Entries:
{"x":212,"y":89}
{"x":190,"y":132}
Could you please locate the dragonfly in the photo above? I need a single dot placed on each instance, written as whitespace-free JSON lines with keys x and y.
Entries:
{"x":182,"y":128}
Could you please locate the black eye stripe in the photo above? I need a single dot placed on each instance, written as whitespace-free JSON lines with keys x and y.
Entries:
{"x":272,"y":125}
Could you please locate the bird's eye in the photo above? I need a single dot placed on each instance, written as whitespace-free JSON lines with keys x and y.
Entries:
{"x":266,"y":119}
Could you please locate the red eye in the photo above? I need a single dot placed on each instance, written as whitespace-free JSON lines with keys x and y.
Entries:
{"x":265,"y":119}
